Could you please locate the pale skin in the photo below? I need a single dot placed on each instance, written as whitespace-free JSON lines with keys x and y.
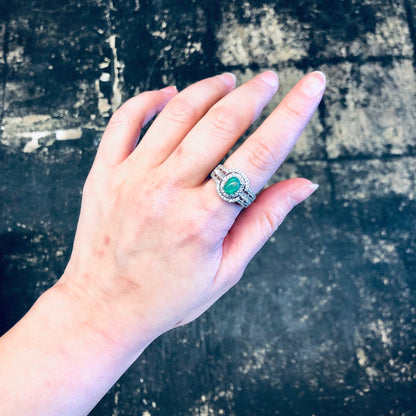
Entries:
{"x":155,"y":245}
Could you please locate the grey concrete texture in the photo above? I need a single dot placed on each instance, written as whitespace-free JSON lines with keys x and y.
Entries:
{"x":324,"y":320}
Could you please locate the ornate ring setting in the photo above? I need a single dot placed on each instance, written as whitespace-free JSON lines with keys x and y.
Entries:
{"x":233,"y":186}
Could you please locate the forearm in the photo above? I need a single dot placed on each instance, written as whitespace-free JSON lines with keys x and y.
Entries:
{"x":52,"y":363}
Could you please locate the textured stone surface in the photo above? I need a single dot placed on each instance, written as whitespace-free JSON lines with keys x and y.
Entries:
{"x":371,"y":110}
{"x":324,"y":320}
{"x":259,"y":36}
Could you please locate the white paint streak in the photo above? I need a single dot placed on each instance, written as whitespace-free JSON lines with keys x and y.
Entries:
{"x":115,"y":411}
{"x":33,"y":145}
{"x":118,"y":67}
{"x":113,"y":71}
{"x":158,"y":34}
{"x":68,"y":134}
{"x":33,"y":119}
{"x":105,"y":77}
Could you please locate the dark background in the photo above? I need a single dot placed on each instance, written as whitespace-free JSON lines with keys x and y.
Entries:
{"x":324,"y":320}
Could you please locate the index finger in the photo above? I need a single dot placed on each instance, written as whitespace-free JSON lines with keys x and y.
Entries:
{"x":265,"y":150}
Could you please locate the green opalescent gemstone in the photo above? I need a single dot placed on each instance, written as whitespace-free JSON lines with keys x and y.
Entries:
{"x":232,"y":186}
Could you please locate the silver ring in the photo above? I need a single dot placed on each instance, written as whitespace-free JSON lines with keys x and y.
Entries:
{"x":233,"y":186}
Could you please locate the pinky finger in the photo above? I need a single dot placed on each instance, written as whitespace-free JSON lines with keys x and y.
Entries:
{"x":254,"y":226}
{"x":121,"y":135}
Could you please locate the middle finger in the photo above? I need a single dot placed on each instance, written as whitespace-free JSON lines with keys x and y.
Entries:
{"x":212,"y":137}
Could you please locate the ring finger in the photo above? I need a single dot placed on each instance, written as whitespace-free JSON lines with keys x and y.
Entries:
{"x":265,"y":150}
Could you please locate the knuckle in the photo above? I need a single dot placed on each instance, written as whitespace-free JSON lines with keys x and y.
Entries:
{"x":291,"y":110}
{"x":225,"y":120}
{"x":90,"y":184}
{"x":261,"y":156}
{"x":120,"y":116}
{"x":125,"y":114}
{"x":180,"y":111}
{"x":272,"y":220}
{"x":207,"y":224}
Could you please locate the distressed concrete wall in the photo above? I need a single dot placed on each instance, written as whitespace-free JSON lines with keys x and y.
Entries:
{"x":324,"y":320}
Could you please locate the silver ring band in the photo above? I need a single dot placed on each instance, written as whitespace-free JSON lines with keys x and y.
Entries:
{"x":233,"y":186}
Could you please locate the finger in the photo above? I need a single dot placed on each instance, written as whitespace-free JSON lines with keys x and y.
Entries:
{"x":180,"y":115}
{"x":210,"y":140}
{"x":123,"y":130}
{"x":254,"y":226}
{"x":265,"y":150}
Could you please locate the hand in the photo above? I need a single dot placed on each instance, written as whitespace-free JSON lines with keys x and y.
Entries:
{"x":155,"y":244}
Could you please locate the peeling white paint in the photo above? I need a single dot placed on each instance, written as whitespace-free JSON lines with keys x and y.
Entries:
{"x":40,"y":129}
{"x":158,"y":34}
{"x":105,"y":77}
{"x":32,"y":119}
{"x":34,"y":142}
{"x":113,"y":71}
{"x":118,"y":67}
{"x":105,"y":64}
{"x":68,"y":134}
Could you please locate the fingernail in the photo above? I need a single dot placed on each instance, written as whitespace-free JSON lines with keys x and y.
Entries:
{"x":314,"y":84}
{"x":170,"y":90}
{"x":228,"y":78}
{"x":301,"y":193}
{"x":271,"y":78}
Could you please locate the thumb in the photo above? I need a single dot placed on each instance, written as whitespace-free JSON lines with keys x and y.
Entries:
{"x":254,"y":226}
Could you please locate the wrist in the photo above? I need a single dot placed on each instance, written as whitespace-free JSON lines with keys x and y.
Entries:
{"x":57,"y":360}
{"x":91,"y":312}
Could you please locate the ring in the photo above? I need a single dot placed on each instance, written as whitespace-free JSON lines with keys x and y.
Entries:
{"x":233,"y":186}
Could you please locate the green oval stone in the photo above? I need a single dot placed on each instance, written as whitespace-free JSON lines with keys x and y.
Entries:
{"x":232,"y":186}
